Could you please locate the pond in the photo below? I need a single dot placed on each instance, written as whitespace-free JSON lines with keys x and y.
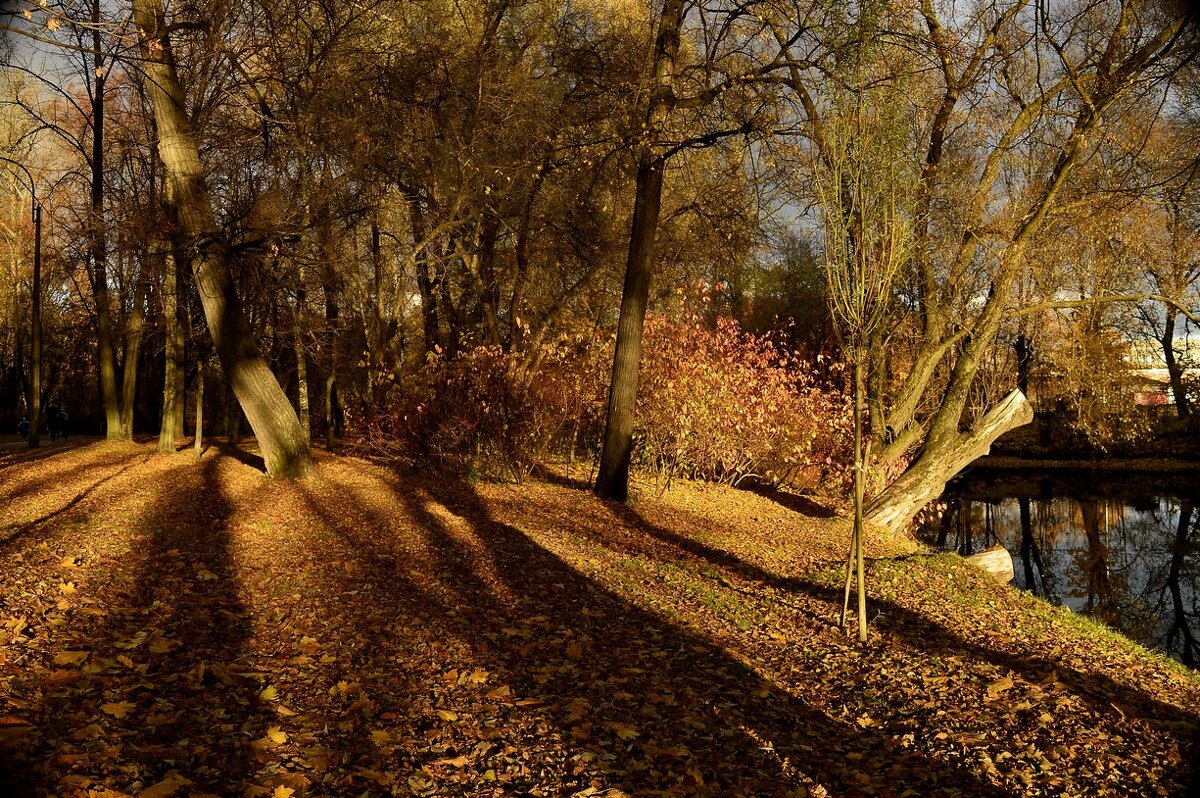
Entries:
{"x":1122,"y":548}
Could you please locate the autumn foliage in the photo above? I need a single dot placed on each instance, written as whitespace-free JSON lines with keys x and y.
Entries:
{"x":723,"y":405}
{"x":715,"y":403}
{"x":487,"y":412}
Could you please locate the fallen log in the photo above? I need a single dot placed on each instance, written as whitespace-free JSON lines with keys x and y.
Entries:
{"x":996,"y":561}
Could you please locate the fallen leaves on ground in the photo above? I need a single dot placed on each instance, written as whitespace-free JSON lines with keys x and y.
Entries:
{"x":178,"y":628}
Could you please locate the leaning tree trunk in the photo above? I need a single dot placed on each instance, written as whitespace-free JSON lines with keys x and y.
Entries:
{"x":612,"y":480}
{"x":940,"y":460}
{"x":271,"y":416}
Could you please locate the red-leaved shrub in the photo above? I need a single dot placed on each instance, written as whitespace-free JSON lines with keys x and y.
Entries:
{"x":485,"y":413}
{"x":723,"y":405}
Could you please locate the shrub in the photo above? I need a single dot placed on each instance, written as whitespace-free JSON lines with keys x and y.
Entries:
{"x":485,"y":413}
{"x":722,"y":405}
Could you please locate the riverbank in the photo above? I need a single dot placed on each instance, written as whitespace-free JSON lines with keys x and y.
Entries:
{"x":1174,"y":446}
{"x":1107,"y":464}
{"x":181,"y":628}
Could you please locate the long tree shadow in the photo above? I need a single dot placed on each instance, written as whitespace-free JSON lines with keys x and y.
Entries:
{"x":13,"y":531}
{"x":616,"y":695}
{"x":917,"y":630}
{"x":148,"y":685}
{"x":798,"y":503}
{"x":13,"y":458}
{"x":15,"y":491}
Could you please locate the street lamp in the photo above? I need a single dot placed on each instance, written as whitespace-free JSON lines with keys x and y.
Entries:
{"x":35,"y":404}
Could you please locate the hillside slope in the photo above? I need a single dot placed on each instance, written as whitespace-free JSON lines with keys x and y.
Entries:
{"x":180,"y":628}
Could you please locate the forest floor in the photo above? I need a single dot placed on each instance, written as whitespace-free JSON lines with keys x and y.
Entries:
{"x":179,"y":628}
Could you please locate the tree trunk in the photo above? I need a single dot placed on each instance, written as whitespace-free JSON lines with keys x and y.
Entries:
{"x":167,"y":433}
{"x":1180,"y":624}
{"x":1174,"y":370}
{"x":1024,"y":350}
{"x":1102,"y":597}
{"x":99,"y":247}
{"x":199,"y":442}
{"x":35,"y":388}
{"x":271,"y":416}
{"x":133,"y":348}
{"x":301,"y":367}
{"x":612,"y":480}
{"x":941,"y":459}
{"x":426,"y":284}
{"x":1027,"y":544}
{"x":233,"y":415}
{"x":331,"y":409}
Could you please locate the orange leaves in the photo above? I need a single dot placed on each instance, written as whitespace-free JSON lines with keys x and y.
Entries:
{"x":166,"y":788}
{"x":716,"y":404}
{"x":70,"y":657}
{"x":118,"y":710}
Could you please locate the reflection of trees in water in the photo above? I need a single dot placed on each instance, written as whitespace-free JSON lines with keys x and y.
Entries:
{"x":1131,"y":564}
{"x":1099,"y":583}
{"x":1181,"y":584}
{"x":1051,"y":522}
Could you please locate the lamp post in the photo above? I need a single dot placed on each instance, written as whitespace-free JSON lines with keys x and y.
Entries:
{"x":35,"y":403}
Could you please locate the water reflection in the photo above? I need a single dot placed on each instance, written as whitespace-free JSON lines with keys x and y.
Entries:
{"x":1121,"y":548}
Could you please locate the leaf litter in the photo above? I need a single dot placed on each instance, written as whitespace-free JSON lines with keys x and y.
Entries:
{"x":171,"y":628}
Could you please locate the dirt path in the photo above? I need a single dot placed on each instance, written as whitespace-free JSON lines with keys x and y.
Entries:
{"x":181,"y":628}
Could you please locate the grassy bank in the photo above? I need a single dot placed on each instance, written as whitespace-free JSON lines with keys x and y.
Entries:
{"x":181,"y":628}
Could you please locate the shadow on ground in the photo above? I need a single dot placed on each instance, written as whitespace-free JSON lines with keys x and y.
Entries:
{"x":154,"y":691}
{"x":616,"y":693}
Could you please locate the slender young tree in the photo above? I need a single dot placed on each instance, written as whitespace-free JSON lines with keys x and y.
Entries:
{"x":863,"y":184}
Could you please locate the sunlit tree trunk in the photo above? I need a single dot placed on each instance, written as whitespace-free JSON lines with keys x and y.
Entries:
{"x":271,"y":416}
{"x":612,"y":480}
{"x":926,"y":477}
{"x":172,"y":399}
{"x":133,"y":348}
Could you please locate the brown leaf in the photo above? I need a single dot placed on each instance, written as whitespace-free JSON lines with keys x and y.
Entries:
{"x":454,"y":762}
{"x":999,"y":686}
{"x":70,"y":657}
{"x":165,"y":788}
{"x":118,"y":710}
